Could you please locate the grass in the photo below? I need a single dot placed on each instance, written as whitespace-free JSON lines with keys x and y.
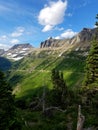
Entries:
{"x":33,"y":72}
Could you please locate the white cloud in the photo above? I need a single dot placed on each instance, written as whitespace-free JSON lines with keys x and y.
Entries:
{"x":95,"y":26}
{"x":59,"y":28}
{"x":52,"y":14}
{"x":47,"y":28}
{"x":18,"y":32}
{"x":58,"y":37}
{"x":69,"y":33}
{"x":4,"y":46}
{"x":14,"y":41}
{"x":3,"y":38}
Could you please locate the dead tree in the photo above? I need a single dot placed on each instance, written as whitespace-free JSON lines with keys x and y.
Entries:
{"x":81,"y":119}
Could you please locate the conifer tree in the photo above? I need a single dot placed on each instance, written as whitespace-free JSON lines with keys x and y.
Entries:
{"x":7,"y":106}
{"x":59,"y":86}
{"x":91,"y":76}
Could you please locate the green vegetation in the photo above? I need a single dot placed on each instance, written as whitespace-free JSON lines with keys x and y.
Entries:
{"x":71,"y":64}
{"x":48,"y":89}
{"x":91,"y":78}
{"x":8,"y":115}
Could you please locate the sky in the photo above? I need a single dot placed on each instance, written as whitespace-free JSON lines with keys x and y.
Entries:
{"x":32,"y":21}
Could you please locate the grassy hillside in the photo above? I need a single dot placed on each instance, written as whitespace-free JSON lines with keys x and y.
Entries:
{"x":32,"y":72}
{"x":28,"y":78}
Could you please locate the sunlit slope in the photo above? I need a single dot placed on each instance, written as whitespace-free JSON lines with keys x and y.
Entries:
{"x":33,"y":72}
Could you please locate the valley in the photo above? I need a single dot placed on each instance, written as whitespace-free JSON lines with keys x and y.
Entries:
{"x":29,"y":71}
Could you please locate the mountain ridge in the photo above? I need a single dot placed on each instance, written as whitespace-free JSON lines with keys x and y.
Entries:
{"x":18,"y":51}
{"x":85,"y":35}
{"x":81,"y":41}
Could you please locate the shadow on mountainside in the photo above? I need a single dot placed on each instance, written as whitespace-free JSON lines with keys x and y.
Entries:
{"x":5,"y":64}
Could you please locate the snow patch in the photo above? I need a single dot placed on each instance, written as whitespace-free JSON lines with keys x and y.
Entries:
{"x":24,"y":49}
{"x":9,"y":54}
{"x":17,"y":58}
{"x":13,"y":55}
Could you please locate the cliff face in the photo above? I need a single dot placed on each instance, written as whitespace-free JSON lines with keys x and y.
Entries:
{"x":85,"y":36}
{"x":50,"y":43}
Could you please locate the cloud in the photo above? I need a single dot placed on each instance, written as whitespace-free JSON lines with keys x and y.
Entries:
{"x":8,"y":39}
{"x":47,"y":28}
{"x":4,"y":42}
{"x":52,"y":14}
{"x":14,"y":41}
{"x":59,"y":28}
{"x":58,"y":37}
{"x":18,"y":32}
{"x":4,"y":46}
{"x":3,"y":38}
{"x":69,"y":33}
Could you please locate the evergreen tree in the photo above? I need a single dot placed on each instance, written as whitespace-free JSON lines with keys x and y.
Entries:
{"x":91,"y":76}
{"x":59,"y":87}
{"x":7,"y":106}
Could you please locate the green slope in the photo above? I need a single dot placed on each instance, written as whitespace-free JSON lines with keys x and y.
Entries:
{"x":31,"y":73}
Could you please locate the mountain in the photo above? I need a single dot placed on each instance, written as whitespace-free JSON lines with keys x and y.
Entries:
{"x":67,"y":55}
{"x":30,"y":78}
{"x":50,"y":43}
{"x":18,"y":51}
{"x":81,"y":40}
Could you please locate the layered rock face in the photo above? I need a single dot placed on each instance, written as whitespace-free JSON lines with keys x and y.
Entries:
{"x":85,"y":36}
{"x":50,"y":43}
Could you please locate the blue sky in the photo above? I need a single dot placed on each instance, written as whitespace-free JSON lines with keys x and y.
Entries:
{"x":32,"y":21}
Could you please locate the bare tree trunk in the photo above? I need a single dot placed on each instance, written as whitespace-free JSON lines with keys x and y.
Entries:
{"x":81,"y":119}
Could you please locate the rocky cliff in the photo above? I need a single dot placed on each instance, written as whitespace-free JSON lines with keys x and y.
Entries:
{"x":50,"y":43}
{"x":85,"y":36}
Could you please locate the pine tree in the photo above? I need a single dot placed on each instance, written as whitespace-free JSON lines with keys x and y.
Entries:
{"x":59,"y":86}
{"x":91,"y":76}
{"x":7,"y":105}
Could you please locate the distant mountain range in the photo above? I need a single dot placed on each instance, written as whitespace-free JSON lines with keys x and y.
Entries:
{"x":17,"y":52}
{"x":81,"y":41}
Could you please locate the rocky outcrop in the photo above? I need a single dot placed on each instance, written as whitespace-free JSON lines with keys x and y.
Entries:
{"x":85,"y":35}
{"x":50,"y":43}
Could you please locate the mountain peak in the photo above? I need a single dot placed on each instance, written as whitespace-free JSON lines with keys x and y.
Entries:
{"x":18,"y":51}
{"x":49,"y":43}
{"x":25,"y":45}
